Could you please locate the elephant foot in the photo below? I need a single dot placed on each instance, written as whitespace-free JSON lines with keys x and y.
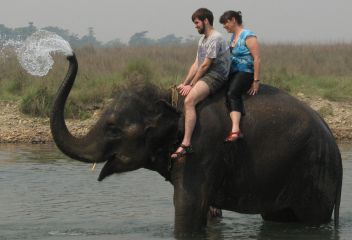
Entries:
{"x":215,"y":212}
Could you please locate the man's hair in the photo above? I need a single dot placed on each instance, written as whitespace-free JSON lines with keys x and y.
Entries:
{"x":229,"y":15}
{"x":202,"y":14}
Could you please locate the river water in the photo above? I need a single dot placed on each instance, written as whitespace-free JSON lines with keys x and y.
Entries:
{"x":45,"y":195}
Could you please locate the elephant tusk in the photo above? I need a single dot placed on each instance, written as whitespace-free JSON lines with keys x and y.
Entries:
{"x":93,"y":167}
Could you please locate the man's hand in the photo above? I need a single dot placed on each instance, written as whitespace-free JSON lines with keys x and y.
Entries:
{"x":184,"y":89}
{"x":254,"y":88}
{"x":180,"y":86}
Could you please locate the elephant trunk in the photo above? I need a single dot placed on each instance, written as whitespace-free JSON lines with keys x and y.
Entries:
{"x":81,"y":149}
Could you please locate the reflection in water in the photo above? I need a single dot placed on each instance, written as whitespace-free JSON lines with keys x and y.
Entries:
{"x":291,"y":231}
{"x":31,"y":154}
{"x":45,"y":195}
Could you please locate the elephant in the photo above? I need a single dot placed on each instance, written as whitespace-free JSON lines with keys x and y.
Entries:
{"x":287,"y":167}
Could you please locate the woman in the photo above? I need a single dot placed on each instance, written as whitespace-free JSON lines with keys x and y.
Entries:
{"x":245,"y":67}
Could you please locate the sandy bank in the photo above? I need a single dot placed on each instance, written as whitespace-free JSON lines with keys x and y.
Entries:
{"x":16,"y":127}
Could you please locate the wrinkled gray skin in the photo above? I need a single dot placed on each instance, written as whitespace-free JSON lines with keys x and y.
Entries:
{"x":287,"y":168}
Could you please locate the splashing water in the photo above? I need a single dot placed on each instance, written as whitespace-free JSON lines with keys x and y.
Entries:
{"x":34,"y":53}
{"x":7,"y":45}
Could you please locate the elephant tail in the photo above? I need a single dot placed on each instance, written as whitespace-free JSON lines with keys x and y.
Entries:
{"x":337,"y":201}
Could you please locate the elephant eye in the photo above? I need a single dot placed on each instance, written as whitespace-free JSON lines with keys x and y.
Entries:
{"x":114,"y":131}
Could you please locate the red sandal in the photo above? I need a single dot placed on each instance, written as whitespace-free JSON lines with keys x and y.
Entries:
{"x":233,"y":136}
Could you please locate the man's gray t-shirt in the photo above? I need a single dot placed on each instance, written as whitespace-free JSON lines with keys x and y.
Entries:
{"x":215,"y":47}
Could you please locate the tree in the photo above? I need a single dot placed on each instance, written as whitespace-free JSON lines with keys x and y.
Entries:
{"x":64,"y":33}
{"x":5,"y":32}
{"x":139,"y":38}
{"x":169,"y":39}
{"x":115,"y":43}
{"x":23,"y":32}
{"x":90,"y":38}
{"x":191,"y":39}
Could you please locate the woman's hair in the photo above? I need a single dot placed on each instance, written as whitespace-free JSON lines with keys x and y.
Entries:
{"x":202,"y":14}
{"x":228,"y":15}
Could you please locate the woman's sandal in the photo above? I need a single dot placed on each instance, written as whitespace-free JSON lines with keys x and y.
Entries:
{"x":185,"y":150}
{"x":233,"y":136}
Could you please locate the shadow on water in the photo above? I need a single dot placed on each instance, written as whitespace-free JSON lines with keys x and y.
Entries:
{"x":271,"y":230}
{"x":267,"y":231}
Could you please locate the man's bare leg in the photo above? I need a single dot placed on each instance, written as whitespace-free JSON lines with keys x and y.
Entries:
{"x":198,"y":93}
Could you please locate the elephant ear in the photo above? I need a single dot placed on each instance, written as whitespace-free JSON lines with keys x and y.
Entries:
{"x":161,"y":124}
{"x":165,"y":111}
{"x":164,"y":105}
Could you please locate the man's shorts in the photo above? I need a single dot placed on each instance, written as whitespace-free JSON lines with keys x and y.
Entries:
{"x":214,"y":82}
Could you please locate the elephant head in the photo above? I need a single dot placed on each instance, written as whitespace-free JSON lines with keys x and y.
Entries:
{"x":129,"y":133}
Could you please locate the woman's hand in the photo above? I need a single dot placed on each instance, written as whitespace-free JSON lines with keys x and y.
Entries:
{"x":254,"y":88}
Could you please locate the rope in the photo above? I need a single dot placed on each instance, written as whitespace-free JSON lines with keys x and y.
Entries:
{"x":174,"y":96}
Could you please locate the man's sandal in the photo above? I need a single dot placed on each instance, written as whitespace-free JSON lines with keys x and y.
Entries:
{"x":185,"y":150}
{"x":233,"y":136}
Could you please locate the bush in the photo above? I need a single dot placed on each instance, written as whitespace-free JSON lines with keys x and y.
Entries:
{"x":37,"y":103}
{"x":138,"y":69}
{"x":326,"y":111}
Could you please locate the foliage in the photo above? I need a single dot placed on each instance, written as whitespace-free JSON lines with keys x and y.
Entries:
{"x":139,"y":39}
{"x":37,"y":102}
{"x":169,"y":39}
{"x":138,"y":69}
{"x":114,"y":43}
{"x":315,"y":70}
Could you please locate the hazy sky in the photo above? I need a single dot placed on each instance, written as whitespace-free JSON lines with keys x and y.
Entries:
{"x":272,"y":20}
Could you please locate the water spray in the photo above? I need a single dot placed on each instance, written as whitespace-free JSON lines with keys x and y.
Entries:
{"x":34,"y":52}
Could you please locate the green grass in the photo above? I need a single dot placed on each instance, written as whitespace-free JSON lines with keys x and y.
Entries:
{"x":316,"y":70}
{"x":333,"y":88}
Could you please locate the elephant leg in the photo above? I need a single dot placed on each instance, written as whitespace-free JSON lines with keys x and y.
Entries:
{"x":191,"y":196}
{"x":190,"y":212}
{"x":283,"y":215}
{"x":314,"y":213}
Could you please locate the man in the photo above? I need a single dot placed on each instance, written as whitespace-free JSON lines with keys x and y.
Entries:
{"x":208,"y":73}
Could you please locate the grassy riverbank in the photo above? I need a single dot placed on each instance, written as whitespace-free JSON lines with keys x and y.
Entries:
{"x":315,"y":70}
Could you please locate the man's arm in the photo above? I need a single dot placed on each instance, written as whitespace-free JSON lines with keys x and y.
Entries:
{"x":191,"y":73}
{"x":202,"y":70}
{"x":184,"y":87}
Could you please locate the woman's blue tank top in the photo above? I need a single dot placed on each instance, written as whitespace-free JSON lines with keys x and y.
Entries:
{"x":241,"y":57}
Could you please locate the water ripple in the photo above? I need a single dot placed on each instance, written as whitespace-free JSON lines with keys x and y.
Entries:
{"x":45,"y":195}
